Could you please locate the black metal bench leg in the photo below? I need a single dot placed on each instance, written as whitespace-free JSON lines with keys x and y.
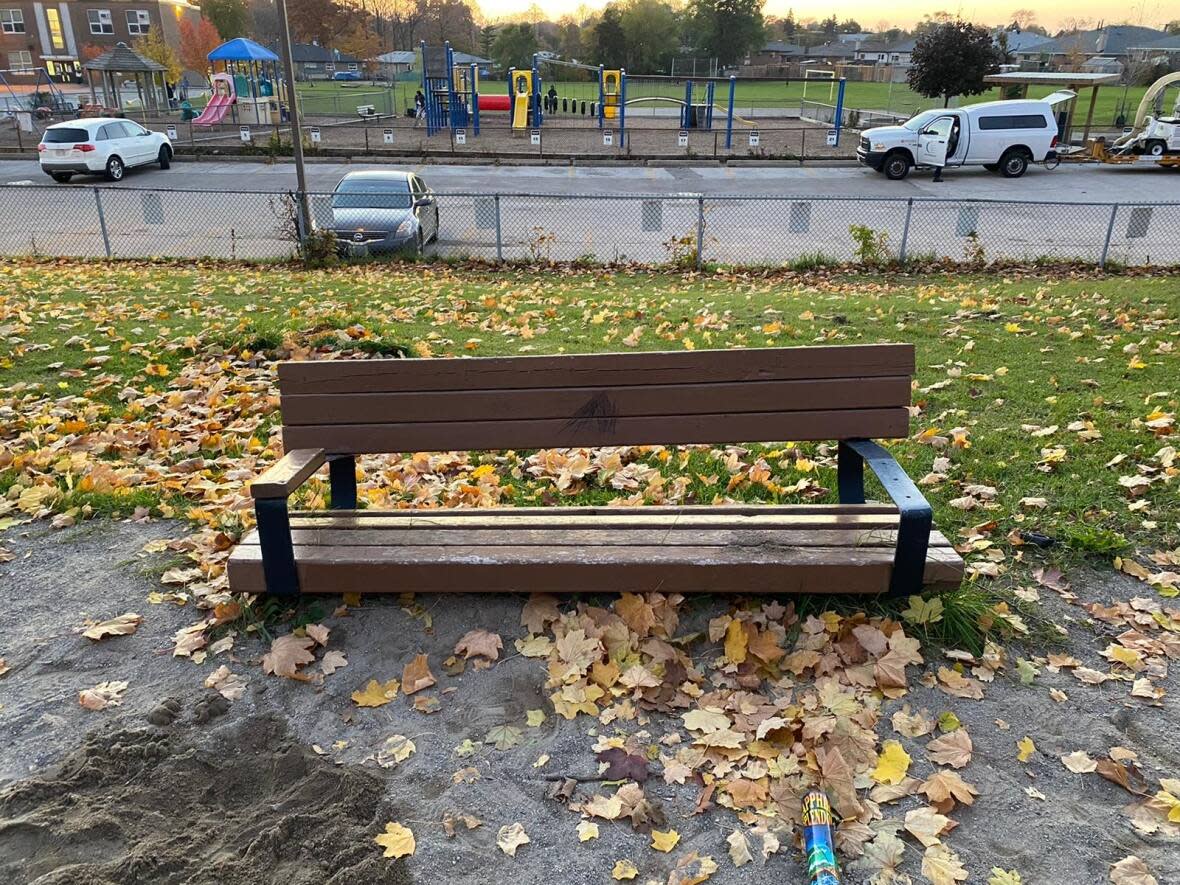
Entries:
{"x":850,"y":475}
{"x":342,"y":476}
{"x":278,"y":554}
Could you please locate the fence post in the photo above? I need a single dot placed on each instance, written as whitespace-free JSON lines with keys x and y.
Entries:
{"x":700,"y":230}
{"x":499,"y":236}
{"x":102,"y":221}
{"x":1114,"y":211}
{"x":802,"y":146}
{"x":905,"y":231}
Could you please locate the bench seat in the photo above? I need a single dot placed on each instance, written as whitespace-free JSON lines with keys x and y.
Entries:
{"x":693,"y":549}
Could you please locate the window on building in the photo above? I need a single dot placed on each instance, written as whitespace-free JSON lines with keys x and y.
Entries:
{"x":329,"y":67}
{"x":138,"y":21}
{"x":12,"y":21}
{"x":352,"y":66}
{"x":100,"y":21}
{"x":53,"y":17}
{"x":21,"y":60}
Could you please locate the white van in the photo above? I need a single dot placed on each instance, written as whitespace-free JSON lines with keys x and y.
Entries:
{"x":1001,"y":136}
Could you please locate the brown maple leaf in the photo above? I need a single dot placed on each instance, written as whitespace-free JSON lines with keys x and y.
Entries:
{"x":416,"y":675}
{"x":479,"y":642}
{"x":287,"y":654}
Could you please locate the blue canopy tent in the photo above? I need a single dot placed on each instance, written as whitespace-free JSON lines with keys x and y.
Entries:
{"x":255,"y":72}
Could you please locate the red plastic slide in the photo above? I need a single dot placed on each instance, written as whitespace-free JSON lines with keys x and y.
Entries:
{"x":215,"y":111}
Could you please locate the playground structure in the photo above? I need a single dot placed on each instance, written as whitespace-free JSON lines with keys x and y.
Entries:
{"x":30,"y":95}
{"x":454,"y":101}
{"x":248,"y":87}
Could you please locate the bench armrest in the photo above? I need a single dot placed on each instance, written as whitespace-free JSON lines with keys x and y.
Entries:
{"x":281,"y":479}
{"x":916,"y":517}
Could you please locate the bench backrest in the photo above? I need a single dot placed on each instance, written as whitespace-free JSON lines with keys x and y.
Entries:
{"x":715,"y":396}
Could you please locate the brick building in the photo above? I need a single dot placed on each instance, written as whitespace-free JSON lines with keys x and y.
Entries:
{"x":56,"y":35}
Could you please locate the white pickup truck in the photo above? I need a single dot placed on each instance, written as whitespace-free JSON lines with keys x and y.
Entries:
{"x":1001,"y":136}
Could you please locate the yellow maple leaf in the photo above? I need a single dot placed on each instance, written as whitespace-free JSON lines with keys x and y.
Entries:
{"x":1025,"y":748}
{"x":375,"y":694}
{"x":736,"y":642}
{"x":892,"y":764}
{"x":664,"y":841}
{"x":624,"y":869}
{"x":587,"y":831}
{"x":397,"y":840}
{"x":534,"y":717}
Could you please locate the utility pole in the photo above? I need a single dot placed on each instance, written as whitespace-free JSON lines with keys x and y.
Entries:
{"x":293,"y":109}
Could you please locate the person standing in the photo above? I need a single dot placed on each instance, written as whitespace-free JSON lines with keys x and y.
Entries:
{"x":419,"y":108}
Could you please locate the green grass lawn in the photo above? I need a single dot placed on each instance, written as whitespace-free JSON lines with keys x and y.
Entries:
{"x":342,"y":98}
{"x":1058,"y":394}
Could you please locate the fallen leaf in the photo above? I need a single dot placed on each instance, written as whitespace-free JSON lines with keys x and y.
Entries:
{"x":376,"y":694}
{"x":479,"y":642}
{"x":103,"y":695}
{"x":534,"y":718}
{"x":739,"y":848}
{"x":953,"y":749}
{"x":587,"y":830}
{"x":318,"y":632}
{"x":416,"y":675}
{"x":229,"y":685}
{"x":892,"y":763}
{"x":1131,"y":871}
{"x":1004,"y":877}
{"x":397,"y":840}
{"x":124,"y":625}
{"x":511,"y":837}
{"x":624,"y":869}
{"x":503,"y":737}
{"x":1079,"y":763}
{"x":942,"y":866}
{"x":1025,"y":748}
{"x":947,"y":785}
{"x":287,"y":654}
{"x":664,"y":840}
{"x":692,"y":869}
{"x":926,"y":825}
{"x":736,"y":641}
{"x":332,"y":661}
{"x":397,"y":748}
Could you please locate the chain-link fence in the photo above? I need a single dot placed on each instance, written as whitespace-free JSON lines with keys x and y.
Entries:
{"x":685,"y":229}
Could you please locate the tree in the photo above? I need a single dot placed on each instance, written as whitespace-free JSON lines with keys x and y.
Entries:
{"x":264,"y":20}
{"x":317,"y":21}
{"x":1172,"y":27}
{"x":952,"y":59}
{"x":727,"y":29}
{"x":829,"y":26}
{"x":849,"y":26}
{"x":230,"y":17}
{"x":447,"y":20}
{"x":153,"y":46}
{"x":196,"y":42}
{"x":514,"y":46}
{"x":789,"y":26}
{"x":653,"y":36}
{"x":362,"y":41}
{"x":610,"y":39}
{"x":487,"y":39}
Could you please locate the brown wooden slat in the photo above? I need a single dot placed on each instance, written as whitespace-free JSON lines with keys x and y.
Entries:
{"x":595,"y":402}
{"x":588,"y":570}
{"x":281,"y":479}
{"x":590,"y":370}
{"x":550,"y":537}
{"x":670,"y":430}
{"x":508,"y":520}
{"x":553,"y":513}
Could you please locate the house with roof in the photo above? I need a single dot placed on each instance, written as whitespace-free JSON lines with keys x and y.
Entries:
{"x":314,"y":62}
{"x":902,"y":54}
{"x":1072,"y":50}
{"x":831,"y":52}
{"x":1165,"y":51}
{"x":776,"y":52}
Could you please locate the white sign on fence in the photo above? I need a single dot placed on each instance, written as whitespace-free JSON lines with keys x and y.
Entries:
{"x":387,"y":136}
{"x":608,"y":138}
{"x":244,"y":131}
{"x":833,"y":137}
{"x":682,"y":138}
{"x":171,"y":130}
{"x":460,"y":136}
{"x":754,"y":138}
{"x":315,"y":134}
{"x":535,"y":136}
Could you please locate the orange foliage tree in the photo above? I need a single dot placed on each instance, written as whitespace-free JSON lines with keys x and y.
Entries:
{"x":196,"y":42}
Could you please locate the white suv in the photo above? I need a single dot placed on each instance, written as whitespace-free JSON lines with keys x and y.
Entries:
{"x":102,"y":144}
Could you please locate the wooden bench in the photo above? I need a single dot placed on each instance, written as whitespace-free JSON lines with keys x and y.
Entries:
{"x":335,"y":410}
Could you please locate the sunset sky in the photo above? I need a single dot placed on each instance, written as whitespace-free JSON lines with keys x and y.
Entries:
{"x":1050,"y":13}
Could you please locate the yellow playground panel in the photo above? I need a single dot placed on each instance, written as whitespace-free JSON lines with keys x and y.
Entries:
{"x":610,"y":93}
{"x":522,"y":91}
{"x":465,"y":79}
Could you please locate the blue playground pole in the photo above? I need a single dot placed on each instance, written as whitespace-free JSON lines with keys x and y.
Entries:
{"x":425,"y":87}
{"x":511,"y":99}
{"x":475,"y":98}
{"x":839,"y":110}
{"x":729,"y":114}
{"x":709,"y":92}
{"x":538,"y":116}
{"x":601,"y":95}
{"x":622,"y":104}
{"x":686,"y":114}
{"x":454,"y":112}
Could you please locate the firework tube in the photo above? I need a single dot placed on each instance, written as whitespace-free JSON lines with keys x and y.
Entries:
{"x":817,"y":840}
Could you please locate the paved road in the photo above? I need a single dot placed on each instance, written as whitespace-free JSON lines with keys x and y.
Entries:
{"x":1067,"y":184}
